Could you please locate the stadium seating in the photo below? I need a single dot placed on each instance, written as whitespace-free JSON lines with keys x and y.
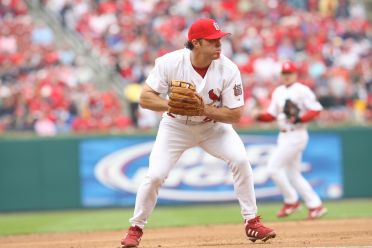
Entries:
{"x":329,"y":40}
{"x":43,"y":88}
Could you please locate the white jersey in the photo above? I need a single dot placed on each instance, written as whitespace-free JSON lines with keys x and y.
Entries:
{"x":284,"y":165}
{"x":221,"y":86}
{"x":298,"y":93}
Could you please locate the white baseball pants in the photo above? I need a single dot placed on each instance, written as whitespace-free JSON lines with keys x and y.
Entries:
{"x":284,"y":168}
{"x":173,"y":138}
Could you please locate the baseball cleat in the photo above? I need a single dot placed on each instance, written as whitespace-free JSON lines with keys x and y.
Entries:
{"x":255,"y":230}
{"x":288,"y":209}
{"x":132,"y":238}
{"x":315,"y":213}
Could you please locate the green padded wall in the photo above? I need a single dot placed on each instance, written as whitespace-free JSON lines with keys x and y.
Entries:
{"x":39,"y":174}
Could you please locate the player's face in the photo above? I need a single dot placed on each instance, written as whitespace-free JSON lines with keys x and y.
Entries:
{"x":289,"y":78}
{"x":211,"y":48}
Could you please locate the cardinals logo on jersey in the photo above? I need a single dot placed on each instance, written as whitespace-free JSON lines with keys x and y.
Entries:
{"x":238,"y":90}
{"x":213,"y":96}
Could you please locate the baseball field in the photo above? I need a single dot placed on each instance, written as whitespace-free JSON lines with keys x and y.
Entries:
{"x":348,"y":223}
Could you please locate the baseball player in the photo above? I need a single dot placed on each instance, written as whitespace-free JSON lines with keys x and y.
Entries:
{"x":217,"y":86}
{"x":292,"y":105}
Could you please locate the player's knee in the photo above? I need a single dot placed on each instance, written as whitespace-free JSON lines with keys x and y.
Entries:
{"x":293,"y":175}
{"x":242,"y":161}
{"x":271,"y":172}
{"x":239,"y":164}
{"x":156,"y":180}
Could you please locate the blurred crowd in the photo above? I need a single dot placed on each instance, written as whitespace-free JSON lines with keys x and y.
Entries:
{"x":330,"y":40}
{"x":43,"y":88}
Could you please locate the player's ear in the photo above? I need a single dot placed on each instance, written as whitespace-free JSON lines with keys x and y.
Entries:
{"x":196,"y":42}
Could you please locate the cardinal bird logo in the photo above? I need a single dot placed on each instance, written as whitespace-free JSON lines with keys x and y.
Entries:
{"x":213,"y":96}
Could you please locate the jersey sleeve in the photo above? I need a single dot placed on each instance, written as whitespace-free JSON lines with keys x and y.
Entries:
{"x":232,"y":95}
{"x":273,"y":108}
{"x":157,"y":78}
{"x":310,"y":101}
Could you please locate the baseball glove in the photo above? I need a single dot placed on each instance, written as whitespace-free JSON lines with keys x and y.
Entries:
{"x":291,"y":111}
{"x":183,"y":99}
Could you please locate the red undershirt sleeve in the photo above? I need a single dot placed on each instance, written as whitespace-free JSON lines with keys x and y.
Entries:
{"x":309,"y":115}
{"x":265,"y":117}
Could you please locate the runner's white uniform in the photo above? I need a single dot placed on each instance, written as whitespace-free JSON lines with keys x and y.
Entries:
{"x":222,"y":87}
{"x":284,"y":165}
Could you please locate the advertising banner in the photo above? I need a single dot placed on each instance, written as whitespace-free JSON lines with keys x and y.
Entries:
{"x":111,"y":170}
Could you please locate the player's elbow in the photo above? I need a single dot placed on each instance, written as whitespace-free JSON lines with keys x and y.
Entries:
{"x":147,"y":97}
{"x":144,"y":101}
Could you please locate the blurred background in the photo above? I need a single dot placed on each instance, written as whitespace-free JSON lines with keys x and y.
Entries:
{"x":77,"y":66}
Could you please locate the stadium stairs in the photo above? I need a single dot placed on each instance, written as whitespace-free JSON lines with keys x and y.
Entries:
{"x":105,"y":76}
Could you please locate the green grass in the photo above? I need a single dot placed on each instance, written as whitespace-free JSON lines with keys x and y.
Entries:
{"x":117,"y":219}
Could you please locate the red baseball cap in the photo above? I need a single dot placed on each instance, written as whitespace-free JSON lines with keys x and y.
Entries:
{"x":289,"y":67}
{"x":205,"y":29}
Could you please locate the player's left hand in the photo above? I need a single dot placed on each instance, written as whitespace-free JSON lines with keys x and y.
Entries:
{"x":292,"y":111}
{"x":183,"y":99}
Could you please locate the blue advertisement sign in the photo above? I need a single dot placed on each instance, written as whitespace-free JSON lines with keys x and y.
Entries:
{"x":112,"y":169}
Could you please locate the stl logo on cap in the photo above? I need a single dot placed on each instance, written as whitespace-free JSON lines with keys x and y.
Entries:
{"x":205,"y":29}
{"x":289,"y":67}
{"x":216,"y":26}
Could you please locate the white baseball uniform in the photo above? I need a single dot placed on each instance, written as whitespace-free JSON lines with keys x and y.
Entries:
{"x":284,"y":164}
{"x":221,"y":86}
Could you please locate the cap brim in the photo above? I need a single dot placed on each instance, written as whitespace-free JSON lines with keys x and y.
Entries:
{"x":216,"y":36}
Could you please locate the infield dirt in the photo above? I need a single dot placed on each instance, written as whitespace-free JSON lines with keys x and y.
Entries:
{"x":319,"y":233}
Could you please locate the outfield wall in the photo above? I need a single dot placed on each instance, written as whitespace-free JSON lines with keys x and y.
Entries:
{"x":39,"y":174}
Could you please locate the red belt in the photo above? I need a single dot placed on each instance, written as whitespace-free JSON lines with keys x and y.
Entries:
{"x":287,"y":130}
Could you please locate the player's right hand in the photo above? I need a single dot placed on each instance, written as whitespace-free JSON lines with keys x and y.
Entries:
{"x":255,"y":113}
